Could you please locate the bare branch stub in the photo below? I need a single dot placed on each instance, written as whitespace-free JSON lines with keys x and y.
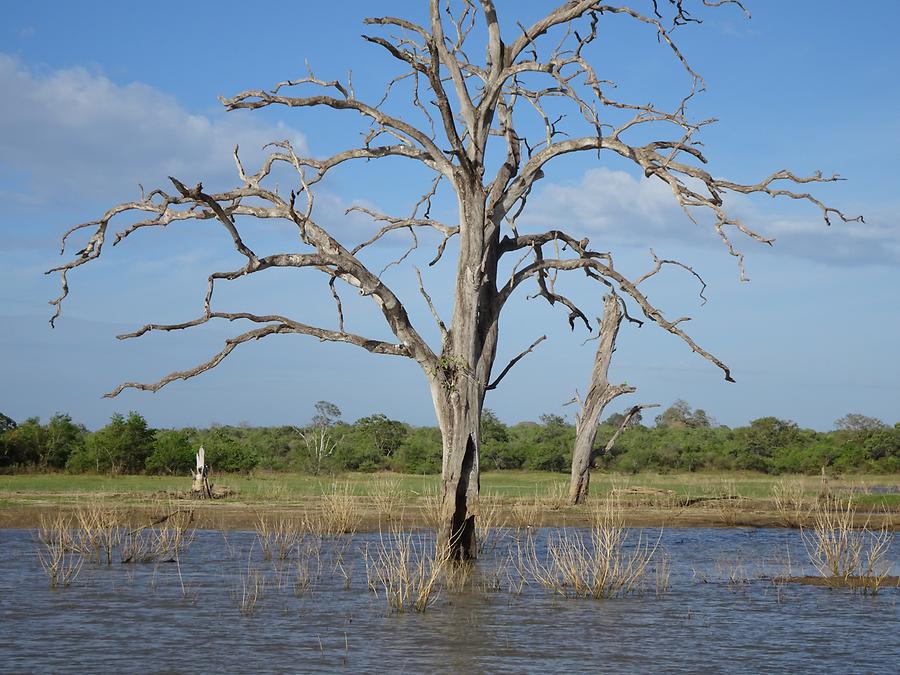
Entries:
{"x":538,"y":98}
{"x":623,"y":425}
{"x":514,"y":361}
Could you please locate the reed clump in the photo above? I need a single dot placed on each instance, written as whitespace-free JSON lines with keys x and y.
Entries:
{"x":172,"y":534}
{"x":308,"y":566}
{"x":844,"y":555}
{"x":728,"y":503}
{"x":526,"y":512}
{"x":607,"y":561}
{"x":388,"y":497}
{"x":406,"y":569}
{"x":490,"y":524}
{"x":341,"y":512}
{"x":278,"y":536}
{"x":162,"y":540}
{"x":56,"y":550}
{"x":431,"y":508}
{"x":790,"y":503}
{"x":98,"y":531}
{"x":251,"y":586}
{"x":556,"y":497}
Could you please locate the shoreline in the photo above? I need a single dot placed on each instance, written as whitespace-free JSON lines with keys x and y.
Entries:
{"x":25,"y":511}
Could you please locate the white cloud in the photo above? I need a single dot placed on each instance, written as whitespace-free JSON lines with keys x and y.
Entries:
{"x":74,"y":132}
{"x":615,"y":208}
{"x":611,"y":207}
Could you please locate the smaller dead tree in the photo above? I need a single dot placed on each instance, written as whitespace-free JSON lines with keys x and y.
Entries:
{"x":601,"y":393}
{"x":318,"y":437}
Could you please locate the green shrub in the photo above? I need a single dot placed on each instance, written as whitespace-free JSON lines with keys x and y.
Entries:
{"x":172,"y":454}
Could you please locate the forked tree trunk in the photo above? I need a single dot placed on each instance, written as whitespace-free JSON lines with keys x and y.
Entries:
{"x":598,"y":396}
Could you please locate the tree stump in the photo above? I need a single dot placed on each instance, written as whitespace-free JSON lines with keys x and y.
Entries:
{"x":200,"y":486}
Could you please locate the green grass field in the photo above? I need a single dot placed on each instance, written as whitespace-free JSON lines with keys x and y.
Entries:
{"x":262,"y":487}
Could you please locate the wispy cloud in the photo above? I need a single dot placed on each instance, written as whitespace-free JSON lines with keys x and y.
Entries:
{"x":75,"y":133}
{"x":615,"y":208}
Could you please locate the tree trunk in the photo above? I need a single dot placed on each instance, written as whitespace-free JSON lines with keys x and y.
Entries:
{"x":599,"y":394}
{"x":461,"y":434}
{"x":459,"y":387}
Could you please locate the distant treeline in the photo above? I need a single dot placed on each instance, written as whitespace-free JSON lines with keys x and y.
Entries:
{"x":681,"y":439}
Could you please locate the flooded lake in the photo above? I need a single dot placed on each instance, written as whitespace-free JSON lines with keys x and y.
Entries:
{"x":722,"y":612}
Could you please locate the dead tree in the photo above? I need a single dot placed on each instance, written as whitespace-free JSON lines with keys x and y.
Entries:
{"x":200,"y":486}
{"x":600,"y":392}
{"x":318,"y":437}
{"x":487,"y":130}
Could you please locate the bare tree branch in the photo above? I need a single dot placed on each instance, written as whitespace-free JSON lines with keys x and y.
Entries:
{"x":514,"y":361}
{"x":632,"y":411}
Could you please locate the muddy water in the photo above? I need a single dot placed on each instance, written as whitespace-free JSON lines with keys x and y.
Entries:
{"x":723,"y":613}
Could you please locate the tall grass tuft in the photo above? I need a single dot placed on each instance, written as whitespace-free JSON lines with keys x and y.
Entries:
{"x":840,"y":553}
{"x":608,"y":561}
{"x":162,"y":540}
{"x":490,"y":525}
{"x":55,"y":551}
{"x":98,"y":530}
{"x":340,"y":512}
{"x":278,"y":535}
{"x":249,"y":588}
{"x":388,"y":496}
{"x":556,"y":497}
{"x":406,"y":569}
{"x":526,"y":512}
{"x":729,"y":503}
{"x":431,"y":507}
{"x":789,"y":502}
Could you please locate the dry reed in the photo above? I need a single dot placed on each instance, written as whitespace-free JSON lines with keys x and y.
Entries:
{"x":98,"y":531}
{"x":556,"y":497}
{"x":388,"y":496}
{"x":729,"y":503}
{"x":278,"y":536}
{"x":839,"y":552}
{"x":431,"y":507}
{"x":340,"y":512}
{"x":249,"y":588}
{"x":55,"y":551}
{"x":308,"y":567}
{"x":789,"y":502}
{"x":490,"y":526}
{"x":600,"y":565}
{"x":162,"y":540}
{"x":406,"y":569}
{"x":526,"y":512}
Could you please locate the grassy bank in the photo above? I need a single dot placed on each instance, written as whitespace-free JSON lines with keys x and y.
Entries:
{"x":264,"y":486}
{"x":520,"y":497}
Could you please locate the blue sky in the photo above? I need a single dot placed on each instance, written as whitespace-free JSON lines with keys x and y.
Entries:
{"x":98,"y":98}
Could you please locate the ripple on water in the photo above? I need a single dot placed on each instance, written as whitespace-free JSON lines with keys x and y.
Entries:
{"x":722,"y":614}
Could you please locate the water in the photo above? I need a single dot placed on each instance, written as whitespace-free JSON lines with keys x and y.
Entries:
{"x":722,"y":614}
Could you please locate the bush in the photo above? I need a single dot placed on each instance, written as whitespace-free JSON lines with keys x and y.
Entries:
{"x":226,"y":455}
{"x":122,"y":446}
{"x":172,"y":454}
{"x":420,"y":451}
